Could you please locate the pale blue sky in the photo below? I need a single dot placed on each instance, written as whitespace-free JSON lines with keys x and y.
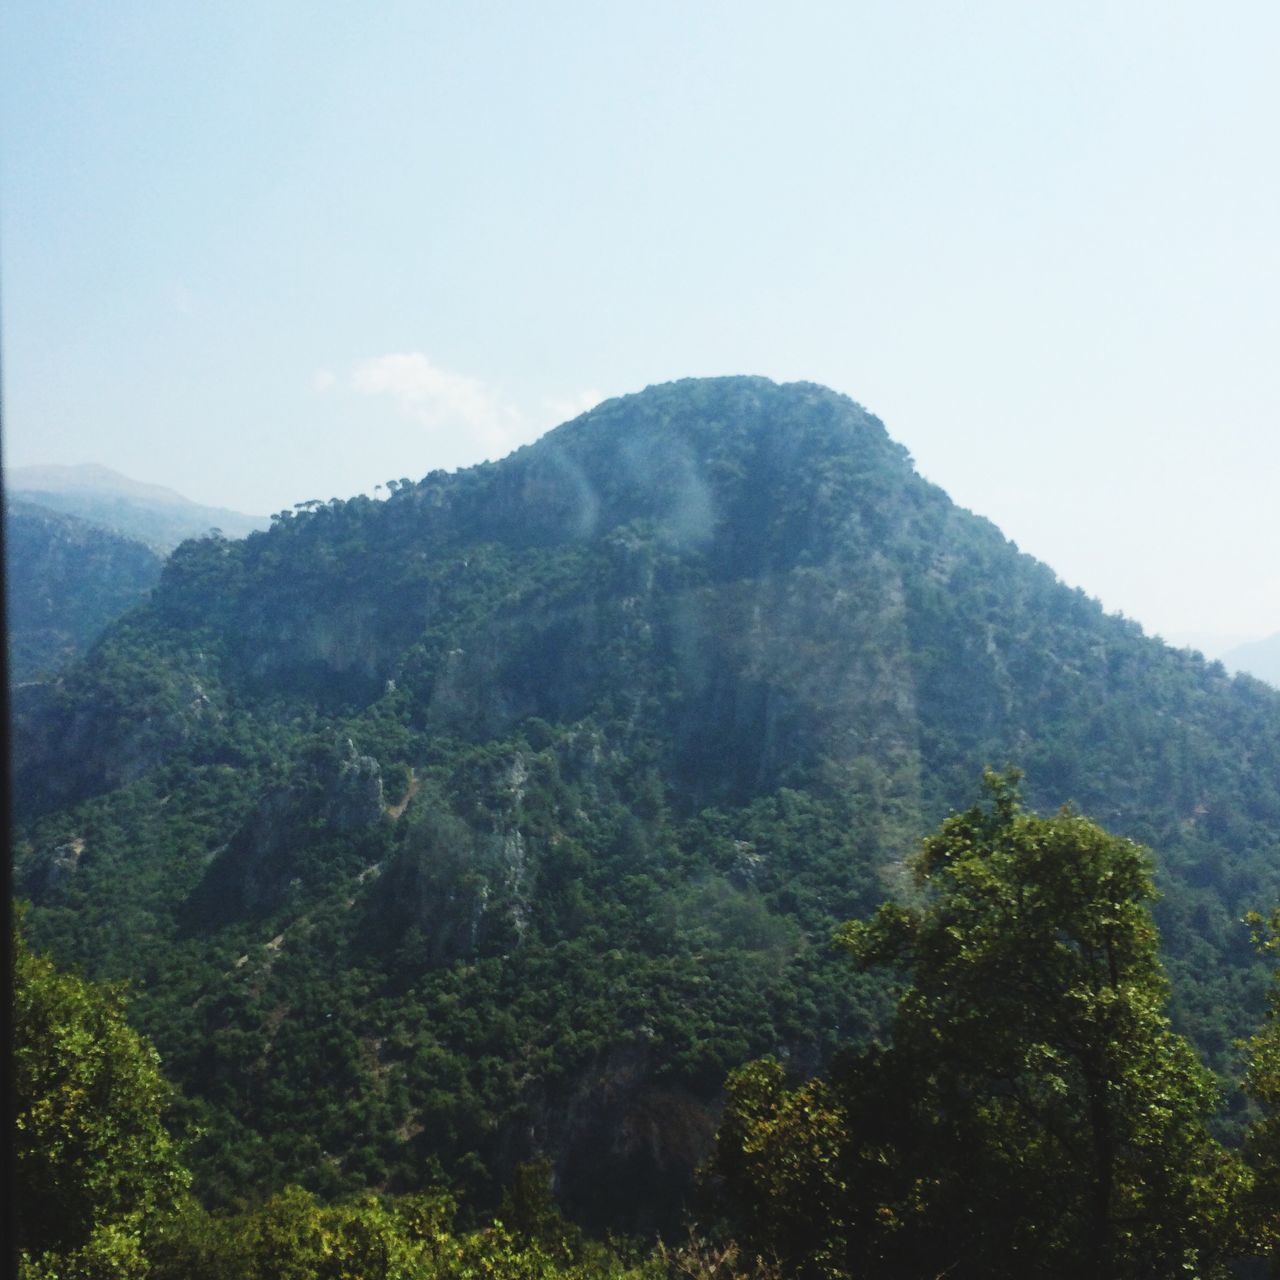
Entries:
{"x":275,"y":251}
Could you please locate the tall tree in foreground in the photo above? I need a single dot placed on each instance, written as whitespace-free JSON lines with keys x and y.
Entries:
{"x":94,"y":1163}
{"x":1262,"y":1083}
{"x":1034,"y":1114}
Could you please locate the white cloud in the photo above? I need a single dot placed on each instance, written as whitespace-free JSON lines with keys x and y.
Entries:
{"x":466,"y":418}
{"x":441,"y":400}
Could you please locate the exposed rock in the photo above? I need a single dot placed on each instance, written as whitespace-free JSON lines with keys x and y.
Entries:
{"x":339,"y":792}
{"x":355,"y":798}
{"x":467,"y":888}
{"x":65,"y":749}
{"x":57,"y":866}
{"x":616,"y":1135}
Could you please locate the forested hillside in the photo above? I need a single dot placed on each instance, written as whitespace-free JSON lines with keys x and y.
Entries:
{"x":502,"y":818}
{"x":65,"y":580}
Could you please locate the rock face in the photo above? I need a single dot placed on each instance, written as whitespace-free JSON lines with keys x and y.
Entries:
{"x":355,"y":799}
{"x":67,"y":746}
{"x":676,"y":688}
{"x":52,"y":868}
{"x":621,"y":1142}
{"x":466,"y":886}
{"x":336,"y":792}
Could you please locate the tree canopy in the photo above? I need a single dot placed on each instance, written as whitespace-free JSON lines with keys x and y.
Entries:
{"x":1033,"y":1114}
{"x":1262,"y":1082}
{"x":91,"y":1152}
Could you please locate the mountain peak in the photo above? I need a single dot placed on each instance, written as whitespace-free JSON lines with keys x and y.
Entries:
{"x":701,"y":458}
{"x":639,"y":714}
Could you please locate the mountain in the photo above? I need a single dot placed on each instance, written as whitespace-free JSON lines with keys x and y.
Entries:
{"x":504,"y":816}
{"x":1260,"y":658}
{"x":65,"y":580}
{"x":82,"y":545}
{"x":148,"y":513}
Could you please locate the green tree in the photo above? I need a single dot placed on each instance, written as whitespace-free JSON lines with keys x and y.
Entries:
{"x":783,"y":1154}
{"x":93,"y":1160}
{"x":1262,"y":1083}
{"x":1034,"y":1114}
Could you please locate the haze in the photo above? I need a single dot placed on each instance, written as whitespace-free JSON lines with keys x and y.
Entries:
{"x":262,"y":254}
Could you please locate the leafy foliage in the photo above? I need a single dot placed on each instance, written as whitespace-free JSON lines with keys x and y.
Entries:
{"x":92,"y":1155}
{"x":1034,"y":1113}
{"x":102,"y":1196}
{"x":1262,"y":1145}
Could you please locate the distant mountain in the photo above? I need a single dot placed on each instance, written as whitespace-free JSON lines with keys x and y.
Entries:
{"x":91,"y":477}
{"x":1260,"y":658}
{"x":148,"y":513}
{"x":504,"y":816}
{"x":65,"y":580}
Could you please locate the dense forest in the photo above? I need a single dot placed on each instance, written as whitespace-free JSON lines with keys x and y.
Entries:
{"x":499,"y":821}
{"x":1032,"y":1113}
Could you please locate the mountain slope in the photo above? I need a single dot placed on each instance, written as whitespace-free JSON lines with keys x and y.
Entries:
{"x":65,"y":580}
{"x":504,"y":816}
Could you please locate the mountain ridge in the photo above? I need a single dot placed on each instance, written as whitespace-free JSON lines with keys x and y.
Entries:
{"x":651,"y":705}
{"x":153,"y":514}
{"x":90,"y":477}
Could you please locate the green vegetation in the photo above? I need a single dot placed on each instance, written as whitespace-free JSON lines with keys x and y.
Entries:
{"x":65,"y":580}
{"x":92,"y":1157}
{"x":1262,"y":1143}
{"x":501,"y":819}
{"x":1033,"y":1112}
{"x":102,"y":1195}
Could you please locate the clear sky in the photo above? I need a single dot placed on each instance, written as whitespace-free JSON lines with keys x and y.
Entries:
{"x":264,"y":252}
